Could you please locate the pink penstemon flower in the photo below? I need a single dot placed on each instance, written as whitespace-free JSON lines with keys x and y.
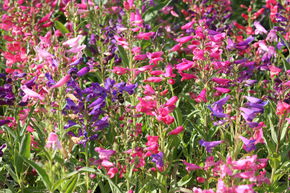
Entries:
{"x":30,"y":93}
{"x":148,"y":90}
{"x":184,"y":39}
{"x":191,"y":167}
{"x":145,"y":36}
{"x":122,"y":42}
{"x":274,"y":71}
{"x":154,"y":79}
{"x":176,"y":131}
{"x":53,"y":141}
{"x":169,"y":71}
{"x":129,"y":4}
{"x":74,"y":44}
{"x":155,"y":57}
{"x":120,"y":70}
{"x":61,"y":82}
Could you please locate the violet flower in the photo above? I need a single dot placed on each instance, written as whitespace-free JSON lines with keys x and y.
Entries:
{"x":4,"y":122}
{"x":6,"y":95}
{"x":209,"y":145}
{"x":249,"y":145}
{"x":253,"y":107}
{"x":158,"y":159}
{"x":1,"y":148}
{"x":244,"y":44}
{"x":217,"y":107}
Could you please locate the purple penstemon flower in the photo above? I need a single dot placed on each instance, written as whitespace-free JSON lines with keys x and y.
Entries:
{"x":244,"y":44}
{"x":209,"y":145}
{"x":249,"y":145}
{"x":1,"y":149}
{"x":217,"y":107}
{"x":158,"y":159}
{"x":6,"y":95}
{"x":4,"y":122}
{"x":83,"y":71}
{"x":252,"y":108}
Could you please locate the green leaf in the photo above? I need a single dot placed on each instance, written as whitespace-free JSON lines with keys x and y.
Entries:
{"x":42,"y":173}
{"x":273,"y":132}
{"x":25,"y":146}
{"x":28,"y":119}
{"x":87,"y":169}
{"x":178,"y":116}
{"x":116,"y":188}
{"x":284,"y":131}
{"x":123,"y":55}
{"x":11,"y":172}
{"x":71,"y":184}
{"x":152,"y":12}
{"x":58,"y":25}
{"x":10,"y":131}
{"x":183,"y":181}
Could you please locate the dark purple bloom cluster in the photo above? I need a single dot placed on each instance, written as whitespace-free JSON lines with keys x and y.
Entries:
{"x":89,"y":104}
{"x":6,"y":92}
{"x":1,"y":149}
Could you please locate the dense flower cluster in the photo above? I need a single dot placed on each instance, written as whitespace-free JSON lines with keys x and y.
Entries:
{"x":144,"y":96}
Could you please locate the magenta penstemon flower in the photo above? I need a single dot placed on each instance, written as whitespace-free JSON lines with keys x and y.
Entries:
{"x":176,"y":131}
{"x":191,"y":167}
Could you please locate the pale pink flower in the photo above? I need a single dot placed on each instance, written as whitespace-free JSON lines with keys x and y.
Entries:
{"x":74,"y":42}
{"x":121,"y":41}
{"x":136,"y":50}
{"x":259,"y":28}
{"x":107,"y":164}
{"x":61,"y":82}
{"x":104,"y":154}
{"x":53,"y":141}
{"x":245,"y":175}
{"x":136,"y":19}
{"x":30,"y":93}
{"x":247,"y":188}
